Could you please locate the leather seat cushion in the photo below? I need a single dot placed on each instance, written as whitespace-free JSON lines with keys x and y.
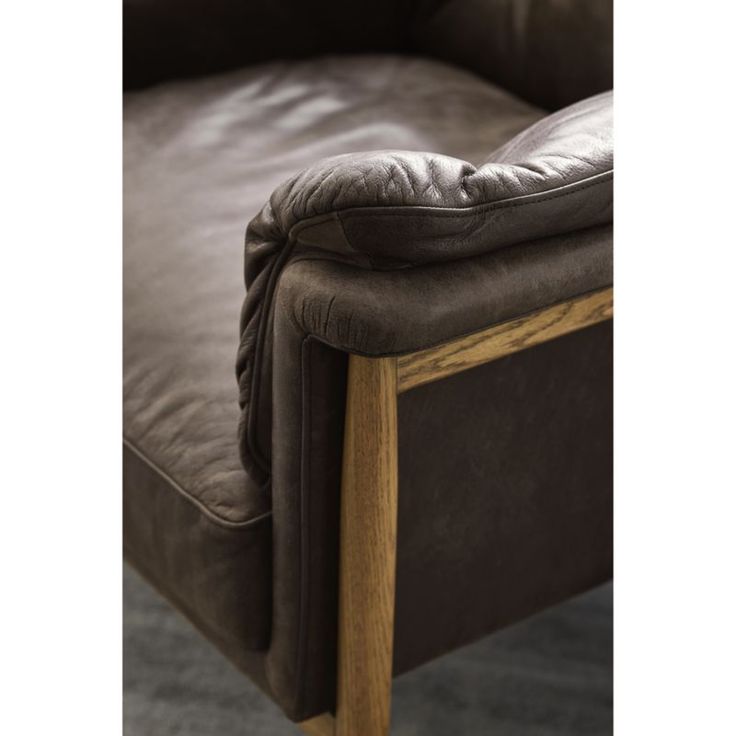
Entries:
{"x":200,"y":158}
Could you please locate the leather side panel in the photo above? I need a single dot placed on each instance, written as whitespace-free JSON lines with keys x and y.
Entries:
{"x":505,"y":500}
{"x":309,"y":388}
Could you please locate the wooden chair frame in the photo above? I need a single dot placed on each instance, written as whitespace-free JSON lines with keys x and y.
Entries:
{"x":369,"y":497}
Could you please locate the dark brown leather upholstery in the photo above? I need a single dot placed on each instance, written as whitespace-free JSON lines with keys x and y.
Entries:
{"x":526,"y":525}
{"x":168,"y":39}
{"x":399,"y":209}
{"x":550,"y":52}
{"x":309,"y":381}
{"x":250,"y":555}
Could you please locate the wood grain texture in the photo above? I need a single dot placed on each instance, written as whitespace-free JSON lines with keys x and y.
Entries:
{"x":503,"y":339}
{"x":322,"y":725}
{"x":367,"y":549}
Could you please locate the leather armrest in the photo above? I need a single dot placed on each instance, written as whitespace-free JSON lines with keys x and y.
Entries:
{"x":393,"y":210}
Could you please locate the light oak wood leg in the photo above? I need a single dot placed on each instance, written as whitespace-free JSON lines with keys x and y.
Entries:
{"x":368,"y":509}
{"x":367,"y":549}
{"x":323,"y":725}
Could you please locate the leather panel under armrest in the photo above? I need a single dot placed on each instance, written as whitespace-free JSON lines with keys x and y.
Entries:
{"x":505,"y":492}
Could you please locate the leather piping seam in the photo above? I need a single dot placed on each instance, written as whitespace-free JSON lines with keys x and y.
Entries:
{"x":565,"y":190}
{"x":207,"y":512}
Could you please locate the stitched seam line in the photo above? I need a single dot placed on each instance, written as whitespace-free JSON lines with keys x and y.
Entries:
{"x":524,"y":201}
{"x":343,"y":231}
{"x":176,"y":486}
{"x":439,"y":211}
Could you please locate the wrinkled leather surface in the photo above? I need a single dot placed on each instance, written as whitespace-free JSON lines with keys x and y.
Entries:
{"x":398,"y":209}
{"x":200,"y":159}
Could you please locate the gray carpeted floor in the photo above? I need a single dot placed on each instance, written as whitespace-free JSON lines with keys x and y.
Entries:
{"x":548,"y":676}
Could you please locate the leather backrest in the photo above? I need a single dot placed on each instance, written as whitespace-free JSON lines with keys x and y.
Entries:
{"x":166,"y":39}
{"x":549,"y":52}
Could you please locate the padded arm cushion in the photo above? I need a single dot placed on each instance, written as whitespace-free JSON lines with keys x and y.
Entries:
{"x":398,"y":209}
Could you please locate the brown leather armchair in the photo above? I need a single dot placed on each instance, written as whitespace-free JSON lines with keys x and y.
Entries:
{"x":420,"y":449}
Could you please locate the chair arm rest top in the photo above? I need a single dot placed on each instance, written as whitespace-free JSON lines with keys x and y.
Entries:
{"x":389,"y":210}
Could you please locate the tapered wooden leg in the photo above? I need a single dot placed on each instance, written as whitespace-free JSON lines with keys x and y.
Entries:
{"x":367,"y":549}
